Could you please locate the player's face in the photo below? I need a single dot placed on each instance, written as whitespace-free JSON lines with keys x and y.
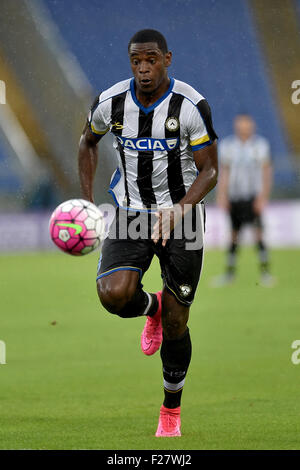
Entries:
{"x":149,"y":66}
{"x":244,"y":127}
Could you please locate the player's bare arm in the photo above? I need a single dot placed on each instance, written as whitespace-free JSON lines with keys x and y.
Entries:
{"x":87,"y":162}
{"x":222,"y":190}
{"x":261,"y":200}
{"x":206,"y":160}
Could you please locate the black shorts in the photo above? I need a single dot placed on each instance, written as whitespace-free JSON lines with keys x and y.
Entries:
{"x":180,"y":267}
{"x":242,"y":213}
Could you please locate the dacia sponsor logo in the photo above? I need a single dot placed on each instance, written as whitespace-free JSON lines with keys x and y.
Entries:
{"x":149,"y":143}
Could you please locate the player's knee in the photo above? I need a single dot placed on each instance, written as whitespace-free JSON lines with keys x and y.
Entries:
{"x":113,"y":297}
{"x":174,"y":324}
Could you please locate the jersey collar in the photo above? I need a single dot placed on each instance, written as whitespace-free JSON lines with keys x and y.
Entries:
{"x":154,"y":105}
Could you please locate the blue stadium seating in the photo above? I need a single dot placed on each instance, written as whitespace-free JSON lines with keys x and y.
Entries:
{"x":215,"y":49}
{"x":10,"y":180}
{"x":214,"y":44}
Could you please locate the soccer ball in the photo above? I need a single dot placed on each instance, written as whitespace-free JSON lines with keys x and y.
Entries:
{"x":77,"y":227}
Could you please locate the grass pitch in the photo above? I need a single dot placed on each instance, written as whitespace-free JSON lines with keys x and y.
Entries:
{"x":76,"y":378}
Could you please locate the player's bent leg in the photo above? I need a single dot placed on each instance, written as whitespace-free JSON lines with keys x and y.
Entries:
{"x":121,"y":294}
{"x":117,"y":289}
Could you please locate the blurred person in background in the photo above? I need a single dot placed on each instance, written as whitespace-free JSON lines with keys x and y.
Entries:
{"x":243,"y":191}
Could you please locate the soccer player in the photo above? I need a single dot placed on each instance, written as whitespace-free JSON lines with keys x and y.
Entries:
{"x":243,"y":191}
{"x":166,"y":147}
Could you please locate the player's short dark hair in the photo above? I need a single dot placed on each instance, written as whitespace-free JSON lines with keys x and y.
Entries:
{"x":149,"y":35}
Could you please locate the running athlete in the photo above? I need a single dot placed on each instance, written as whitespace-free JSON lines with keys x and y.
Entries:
{"x":166,"y":147}
{"x":243,"y":191}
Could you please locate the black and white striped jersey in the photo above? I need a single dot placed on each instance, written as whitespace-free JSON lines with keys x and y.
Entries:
{"x":245,"y":161}
{"x":154,"y":144}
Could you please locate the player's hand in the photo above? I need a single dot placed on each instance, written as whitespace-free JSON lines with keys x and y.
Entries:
{"x":167,"y":219}
{"x":259,"y":204}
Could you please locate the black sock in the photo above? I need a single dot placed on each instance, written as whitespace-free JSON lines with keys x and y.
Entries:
{"x":175,"y":355}
{"x":231,"y":258}
{"x":263,"y":257}
{"x":153,"y":307}
{"x":139,"y":305}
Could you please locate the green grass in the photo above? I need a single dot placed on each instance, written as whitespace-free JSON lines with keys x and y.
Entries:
{"x":83,"y":383}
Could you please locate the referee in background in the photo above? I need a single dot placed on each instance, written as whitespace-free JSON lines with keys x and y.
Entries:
{"x":243,"y":191}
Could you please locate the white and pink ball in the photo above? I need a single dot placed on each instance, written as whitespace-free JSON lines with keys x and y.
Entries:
{"x":77,"y":227}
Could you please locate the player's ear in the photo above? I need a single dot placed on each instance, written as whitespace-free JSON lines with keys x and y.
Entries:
{"x":168,"y":58}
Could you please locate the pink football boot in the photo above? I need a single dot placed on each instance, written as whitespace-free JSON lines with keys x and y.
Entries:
{"x":152,"y":333}
{"x":169,"y":422}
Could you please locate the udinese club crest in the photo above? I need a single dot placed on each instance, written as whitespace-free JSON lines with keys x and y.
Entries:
{"x":185,"y":290}
{"x":172,"y":124}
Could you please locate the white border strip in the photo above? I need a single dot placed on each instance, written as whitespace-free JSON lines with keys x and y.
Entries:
{"x":18,"y":140}
{"x":173,"y":387}
{"x":68,"y":63}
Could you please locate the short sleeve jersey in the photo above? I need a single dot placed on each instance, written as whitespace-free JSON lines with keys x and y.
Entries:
{"x":245,"y":161}
{"x":154,"y":144}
